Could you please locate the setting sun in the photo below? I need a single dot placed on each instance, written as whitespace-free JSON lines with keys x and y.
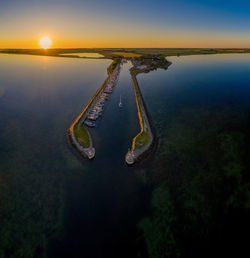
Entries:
{"x":45,"y":42}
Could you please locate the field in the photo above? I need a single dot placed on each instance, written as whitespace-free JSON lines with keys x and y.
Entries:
{"x":185,"y":51}
{"x":126,"y":53}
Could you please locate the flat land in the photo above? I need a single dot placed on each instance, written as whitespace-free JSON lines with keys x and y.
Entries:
{"x":126,"y":52}
{"x":186,"y":51}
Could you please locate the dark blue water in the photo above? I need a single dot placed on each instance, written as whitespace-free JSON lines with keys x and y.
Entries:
{"x":91,"y":208}
{"x":106,"y":202}
{"x":193,"y":79}
{"x":93,"y":205}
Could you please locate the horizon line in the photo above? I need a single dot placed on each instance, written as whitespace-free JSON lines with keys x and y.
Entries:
{"x":231,"y":48}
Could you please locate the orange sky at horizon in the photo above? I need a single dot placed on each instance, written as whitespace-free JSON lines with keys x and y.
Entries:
{"x":116,"y":43}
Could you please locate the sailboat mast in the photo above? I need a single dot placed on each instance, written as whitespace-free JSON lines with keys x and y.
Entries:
{"x":120,"y":104}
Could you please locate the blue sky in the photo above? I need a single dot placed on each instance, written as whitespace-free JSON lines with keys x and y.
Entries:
{"x":158,"y":23}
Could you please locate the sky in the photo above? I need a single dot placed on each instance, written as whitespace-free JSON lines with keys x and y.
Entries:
{"x":125,"y":23}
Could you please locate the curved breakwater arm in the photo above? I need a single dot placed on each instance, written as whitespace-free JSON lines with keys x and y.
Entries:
{"x":78,"y":134}
{"x":143,"y":141}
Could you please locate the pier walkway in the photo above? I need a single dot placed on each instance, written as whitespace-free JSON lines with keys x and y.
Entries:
{"x":143,"y":141}
{"x":78,"y":133}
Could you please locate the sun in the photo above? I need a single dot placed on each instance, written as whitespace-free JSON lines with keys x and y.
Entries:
{"x":45,"y":42}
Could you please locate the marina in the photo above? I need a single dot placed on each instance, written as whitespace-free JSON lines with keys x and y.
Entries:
{"x":97,"y":108}
{"x":78,"y":133}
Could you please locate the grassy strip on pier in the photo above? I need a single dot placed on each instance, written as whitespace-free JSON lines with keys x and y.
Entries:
{"x":113,"y":65}
{"x":142,"y":139}
{"x":145,"y":135}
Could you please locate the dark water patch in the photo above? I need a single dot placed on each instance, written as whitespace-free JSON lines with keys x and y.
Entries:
{"x":201,"y":113}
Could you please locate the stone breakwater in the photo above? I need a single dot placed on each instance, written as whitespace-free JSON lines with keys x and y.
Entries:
{"x":144,"y":140}
{"x":88,"y":150}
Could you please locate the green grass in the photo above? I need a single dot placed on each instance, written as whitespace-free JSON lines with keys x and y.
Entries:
{"x":126,"y":54}
{"x":135,"y":71}
{"x":142,"y":139}
{"x":113,"y":65}
{"x":82,"y":135}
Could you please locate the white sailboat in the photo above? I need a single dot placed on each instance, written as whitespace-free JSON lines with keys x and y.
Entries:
{"x":120,"y":103}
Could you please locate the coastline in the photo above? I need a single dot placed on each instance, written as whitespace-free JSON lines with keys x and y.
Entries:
{"x":128,"y":53}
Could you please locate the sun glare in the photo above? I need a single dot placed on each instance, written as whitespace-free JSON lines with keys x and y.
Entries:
{"x":45,"y":42}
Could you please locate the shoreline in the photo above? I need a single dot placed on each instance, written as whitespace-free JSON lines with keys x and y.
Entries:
{"x":60,"y":55}
{"x":111,"y":53}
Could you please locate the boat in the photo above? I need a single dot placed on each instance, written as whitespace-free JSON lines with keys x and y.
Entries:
{"x":120,"y":103}
{"x":93,"y":117}
{"x":89,"y":123}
